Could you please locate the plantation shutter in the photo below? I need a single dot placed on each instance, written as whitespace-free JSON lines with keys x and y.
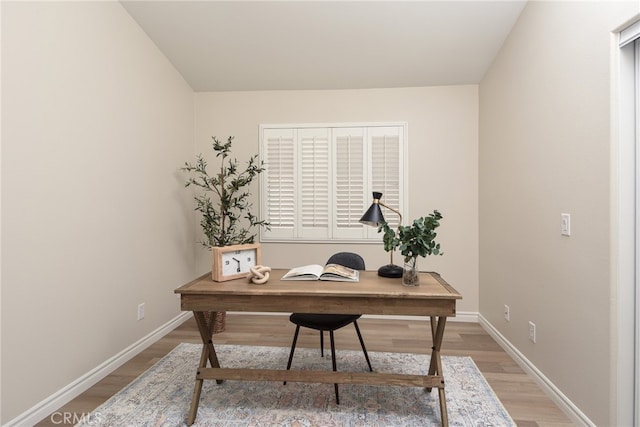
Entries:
{"x":318,"y":180}
{"x":278,"y":185}
{"x":386,"y":172}
{"x":350,"y":181}
{"x":314,"y":191}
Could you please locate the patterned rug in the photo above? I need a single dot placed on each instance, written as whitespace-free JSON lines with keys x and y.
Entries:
{"x":161,"y":396}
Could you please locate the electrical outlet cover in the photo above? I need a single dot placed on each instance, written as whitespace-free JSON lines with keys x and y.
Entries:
{"x":532,"y":332}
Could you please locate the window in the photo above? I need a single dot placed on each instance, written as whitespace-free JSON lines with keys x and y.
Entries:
{"x":319,"y":179}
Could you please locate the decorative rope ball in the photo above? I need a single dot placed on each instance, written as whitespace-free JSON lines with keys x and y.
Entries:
{"x":259,"y":274}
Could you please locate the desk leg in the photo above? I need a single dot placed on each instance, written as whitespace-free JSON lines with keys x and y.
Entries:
{"x":208,"y":354}
{"x":206,"y":330}
{"x":435,"y":365}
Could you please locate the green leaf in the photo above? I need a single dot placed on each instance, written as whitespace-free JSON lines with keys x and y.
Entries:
{"x":417,"y":239}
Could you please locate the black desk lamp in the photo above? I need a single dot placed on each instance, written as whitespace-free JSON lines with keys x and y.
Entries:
{"x":373,"y":217}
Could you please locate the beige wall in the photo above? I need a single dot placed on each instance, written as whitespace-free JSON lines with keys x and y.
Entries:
{"x":544,"y":150}
{"x":95,"y":123}
{"x":443,"y":165}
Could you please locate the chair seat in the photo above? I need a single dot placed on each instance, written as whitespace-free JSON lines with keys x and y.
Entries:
{"x":323,"y":322}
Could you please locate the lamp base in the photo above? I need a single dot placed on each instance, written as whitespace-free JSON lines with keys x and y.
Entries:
{"x":390,"y":270}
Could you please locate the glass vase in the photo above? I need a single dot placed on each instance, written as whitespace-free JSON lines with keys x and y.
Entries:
{"x":410,"y":273}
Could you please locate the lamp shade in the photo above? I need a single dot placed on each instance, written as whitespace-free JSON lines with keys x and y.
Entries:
{"x":373,"y":216}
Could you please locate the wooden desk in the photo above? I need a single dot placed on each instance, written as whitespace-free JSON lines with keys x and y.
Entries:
{"x":371,"y":295}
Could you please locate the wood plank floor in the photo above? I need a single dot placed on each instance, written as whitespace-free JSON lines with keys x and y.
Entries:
{"x":520,"y":395}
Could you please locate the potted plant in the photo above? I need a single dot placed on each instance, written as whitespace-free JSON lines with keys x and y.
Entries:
{"x":222,"y":216}
{"x":224,"y":199}
{"x":417,"y":239}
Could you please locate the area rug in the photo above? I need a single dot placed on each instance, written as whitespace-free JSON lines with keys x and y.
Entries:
{"x":161,"y":396}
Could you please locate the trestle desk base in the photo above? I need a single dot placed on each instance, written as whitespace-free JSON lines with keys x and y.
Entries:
{"x":434,"y":298}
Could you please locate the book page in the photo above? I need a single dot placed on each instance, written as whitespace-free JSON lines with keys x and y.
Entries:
{"x":305,"y":272}
{"x":340,"y":272}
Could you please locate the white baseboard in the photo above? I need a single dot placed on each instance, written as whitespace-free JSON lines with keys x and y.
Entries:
{"x":74,"y":389}
{"x":559,"y":398}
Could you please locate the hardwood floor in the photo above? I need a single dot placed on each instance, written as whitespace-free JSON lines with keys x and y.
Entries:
{"x":520,"y":395}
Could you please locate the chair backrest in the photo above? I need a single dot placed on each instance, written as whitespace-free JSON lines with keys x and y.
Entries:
{"x":348,"y":259}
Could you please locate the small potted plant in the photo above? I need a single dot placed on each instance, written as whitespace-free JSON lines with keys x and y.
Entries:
{"x":417,"y":239}
{"x":224,"y":200}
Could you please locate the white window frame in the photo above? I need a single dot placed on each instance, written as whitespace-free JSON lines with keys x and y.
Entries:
{"x":341,"y":227}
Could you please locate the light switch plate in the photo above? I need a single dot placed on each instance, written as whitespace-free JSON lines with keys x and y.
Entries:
{"x":565,"y":227}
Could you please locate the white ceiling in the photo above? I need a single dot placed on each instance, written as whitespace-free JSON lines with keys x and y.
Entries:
{"x":270,"y":45}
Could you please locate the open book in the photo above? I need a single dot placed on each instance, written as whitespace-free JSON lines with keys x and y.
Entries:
{"x":333,"y":272}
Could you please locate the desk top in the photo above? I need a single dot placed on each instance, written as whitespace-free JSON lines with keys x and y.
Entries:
{"x":432,"y":286}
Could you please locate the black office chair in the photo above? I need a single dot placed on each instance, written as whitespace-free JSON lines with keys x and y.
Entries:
{"x":330,"y":322}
